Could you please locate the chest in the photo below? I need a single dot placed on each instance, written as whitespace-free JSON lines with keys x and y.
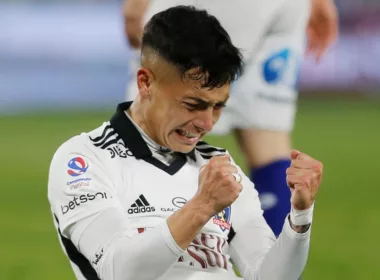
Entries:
{"x":150,"y":195}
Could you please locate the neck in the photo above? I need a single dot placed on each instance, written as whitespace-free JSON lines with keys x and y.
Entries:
{"x":136,"y":112}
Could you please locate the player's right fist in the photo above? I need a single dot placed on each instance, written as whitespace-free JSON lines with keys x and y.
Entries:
{"x":219,"y":184}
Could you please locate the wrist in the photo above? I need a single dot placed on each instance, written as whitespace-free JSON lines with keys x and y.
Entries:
{"x":187,"y":222}
{"x":301,"y":217}
{"x":201,"y":209}
{"x":300,"y":220}
{"x":299,"y":229}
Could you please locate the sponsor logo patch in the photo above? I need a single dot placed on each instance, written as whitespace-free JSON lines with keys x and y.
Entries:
{"x":179,"y":202}
{"x":82,"y":199}
{"x":281,"y":67}
{"x":141,"y":205}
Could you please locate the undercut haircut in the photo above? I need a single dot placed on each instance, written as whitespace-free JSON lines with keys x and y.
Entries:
{"x":192,"y":39}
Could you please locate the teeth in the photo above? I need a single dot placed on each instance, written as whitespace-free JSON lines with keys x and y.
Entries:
{"x":189,"y":135}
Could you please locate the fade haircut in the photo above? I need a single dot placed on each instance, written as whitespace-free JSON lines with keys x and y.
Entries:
{"x":189,"y":38}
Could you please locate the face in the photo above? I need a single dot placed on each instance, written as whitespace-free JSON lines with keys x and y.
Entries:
{"x":177,"y":111}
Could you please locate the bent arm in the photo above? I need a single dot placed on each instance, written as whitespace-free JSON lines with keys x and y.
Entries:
{"x":118,"y":252}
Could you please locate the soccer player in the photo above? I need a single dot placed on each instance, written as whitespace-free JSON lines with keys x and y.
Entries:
{"x":262,"y":105}
{"x":142,"y":197}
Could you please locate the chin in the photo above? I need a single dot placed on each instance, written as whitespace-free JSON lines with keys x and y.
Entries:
{"x":182,"y":148}
{"x":187,"y":149}
{"x":179,"y":144}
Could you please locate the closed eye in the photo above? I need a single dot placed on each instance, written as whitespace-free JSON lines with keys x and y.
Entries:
{"x":196,"y":106}
{"x":202,"y":106}
{"x":219,"y":106}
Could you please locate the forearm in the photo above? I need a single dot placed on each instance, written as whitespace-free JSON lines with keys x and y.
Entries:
{"x":266,"y":258}
{"x":288,"y":256}
{"x":158,"y":248}
{"x":123,"y":254}
{"x":116,"y":251}
{"x":186,"y":223}
{"x":146,"y":256}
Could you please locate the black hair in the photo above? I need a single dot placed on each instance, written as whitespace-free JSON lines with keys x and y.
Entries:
{"x":193,"y":39}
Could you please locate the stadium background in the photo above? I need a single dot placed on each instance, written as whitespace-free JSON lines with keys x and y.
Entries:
{"x":63,"y":69}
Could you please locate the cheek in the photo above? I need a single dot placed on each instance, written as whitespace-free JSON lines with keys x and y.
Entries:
{"x":178,"y":117}
{"x":216,"y":115}
{"x":158,"y":112}
{"x":174,"y":116}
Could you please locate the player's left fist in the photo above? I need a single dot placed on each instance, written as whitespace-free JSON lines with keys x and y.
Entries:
{"x":304,"y":179}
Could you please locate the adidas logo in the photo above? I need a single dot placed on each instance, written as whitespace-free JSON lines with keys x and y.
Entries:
{"x":141,"y":205}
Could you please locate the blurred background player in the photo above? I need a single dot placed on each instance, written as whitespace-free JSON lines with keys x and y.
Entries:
{"x":262,"y":105}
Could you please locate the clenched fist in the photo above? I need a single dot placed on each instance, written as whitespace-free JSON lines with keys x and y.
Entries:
{"x":304,"y":178}
{"x":219,"y":184}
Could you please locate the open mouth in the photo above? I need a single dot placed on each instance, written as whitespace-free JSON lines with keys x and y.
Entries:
{"x":187,"y":136}
{"x":186,"y":133}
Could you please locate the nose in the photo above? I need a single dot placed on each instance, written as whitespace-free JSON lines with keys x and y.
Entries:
{"x":204,"y":120}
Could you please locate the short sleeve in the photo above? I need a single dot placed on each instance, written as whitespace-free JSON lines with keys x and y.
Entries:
{"x":79,"y":184}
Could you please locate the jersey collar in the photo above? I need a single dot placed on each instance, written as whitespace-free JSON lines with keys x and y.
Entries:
{"x":137,"y":145}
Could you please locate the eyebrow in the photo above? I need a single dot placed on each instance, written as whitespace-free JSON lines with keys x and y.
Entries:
{"x":204,"y":102}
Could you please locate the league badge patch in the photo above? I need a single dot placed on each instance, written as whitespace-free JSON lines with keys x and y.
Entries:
{"x":77,"y":166}
{"x":223,"y":219}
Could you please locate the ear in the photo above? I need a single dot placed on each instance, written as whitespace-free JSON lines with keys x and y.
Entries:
{"x":144,"y":80}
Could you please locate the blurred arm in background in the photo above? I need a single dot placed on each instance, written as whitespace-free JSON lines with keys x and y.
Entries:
{"x":134,"y":11}
{"x":322,"y":29}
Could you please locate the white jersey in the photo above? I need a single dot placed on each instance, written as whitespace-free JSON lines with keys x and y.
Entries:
{"x":117,"y":169}
{"x":271,"y":36}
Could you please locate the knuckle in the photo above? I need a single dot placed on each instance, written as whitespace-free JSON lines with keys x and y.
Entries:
{"x":219,"y":173}
{"x":318,"y":167}
{"x":307,"y":180}
{"x":225,"y":181}
{"x":211,"y":162}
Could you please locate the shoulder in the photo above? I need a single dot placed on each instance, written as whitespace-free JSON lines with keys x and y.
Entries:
{"x":82,"y":149}
{"x":80,"y":143}
{"x":102,"y":143}
{"x":78,"y":165}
